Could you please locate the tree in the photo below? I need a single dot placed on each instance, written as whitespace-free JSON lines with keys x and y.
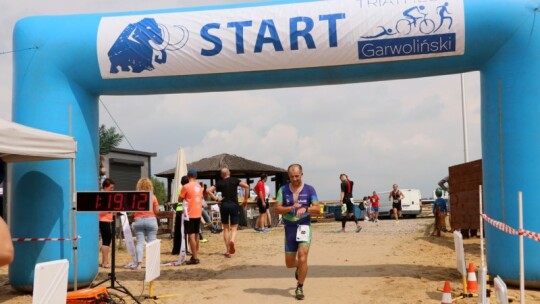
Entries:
{"x":159,"y":190}
{"x":108,"y":139}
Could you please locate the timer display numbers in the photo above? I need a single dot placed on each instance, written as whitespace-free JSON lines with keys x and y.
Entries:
{"x":114,"y":201}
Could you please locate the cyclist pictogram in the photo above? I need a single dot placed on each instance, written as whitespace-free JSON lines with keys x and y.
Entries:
{"x":425,"y":25}
{"x":416,"y":18}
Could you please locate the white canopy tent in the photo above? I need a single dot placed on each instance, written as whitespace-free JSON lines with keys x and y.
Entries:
{"x":22,"y":143}
{"x":19,"y":143}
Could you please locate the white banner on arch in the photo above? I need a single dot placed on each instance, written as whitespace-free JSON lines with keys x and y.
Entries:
{"x":276,"y":37}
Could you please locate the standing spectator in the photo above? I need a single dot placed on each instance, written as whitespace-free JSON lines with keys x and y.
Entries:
{"x":268,"y":215}
{"x":297,"y":201}
{"x":346,"y":198}
{"x":439,"y":210}
{"x":242,"y":218}
{"x":374,"y":199}
{"x":6,"y":244}
{"x":229,"y":206}
{"x":262,"y":204}
{"x":145,"y":223}
{"x":192,"y":193}
{"x":205,"y":221}
{"x":396,"y":196}
{"x":444,"y":184}
{"x":367,"y":208}
{"x":177,"y":239}
{"x":105,"y":227}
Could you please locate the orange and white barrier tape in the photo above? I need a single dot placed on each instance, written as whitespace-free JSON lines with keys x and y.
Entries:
{"x":44,"y":239}
{"x":507,"y":229}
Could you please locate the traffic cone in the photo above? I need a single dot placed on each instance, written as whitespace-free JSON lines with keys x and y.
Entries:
{"x":472,"y":283}
{"x":447,"y":294}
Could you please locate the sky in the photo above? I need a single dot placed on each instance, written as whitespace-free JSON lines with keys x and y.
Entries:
{"x":379,"y":133}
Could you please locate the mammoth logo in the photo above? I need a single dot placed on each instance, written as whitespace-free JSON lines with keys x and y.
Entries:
{"x":143,"y":42}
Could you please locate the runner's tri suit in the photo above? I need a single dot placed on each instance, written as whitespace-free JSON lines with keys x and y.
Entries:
{"x":346,"y":188}
{"x":306,"y":197}
{"x":396,"y":201}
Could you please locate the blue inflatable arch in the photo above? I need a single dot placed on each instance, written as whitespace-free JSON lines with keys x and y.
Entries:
{"x":282,"y":44}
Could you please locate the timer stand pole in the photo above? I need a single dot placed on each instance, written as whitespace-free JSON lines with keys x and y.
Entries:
{"x":112,"y":274}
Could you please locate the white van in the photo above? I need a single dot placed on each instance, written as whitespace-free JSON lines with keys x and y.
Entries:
{"x":410,"y":204}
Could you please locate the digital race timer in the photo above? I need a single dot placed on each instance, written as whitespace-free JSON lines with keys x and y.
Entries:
{"x":114,"y":201}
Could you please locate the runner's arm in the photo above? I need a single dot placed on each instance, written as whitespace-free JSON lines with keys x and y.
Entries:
{"x":246,"y":192}
{"x":155,"y":205}
{"x":280,"y":209}
{"x":211,"y":192}
{"x":315,"y":208}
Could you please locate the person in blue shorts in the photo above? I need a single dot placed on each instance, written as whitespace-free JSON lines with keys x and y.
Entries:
{"x":296,"y":201}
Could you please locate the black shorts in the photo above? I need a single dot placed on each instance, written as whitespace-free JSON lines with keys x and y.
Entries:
{"x":193,"y":225}
{"x":105,"y":229}
{"x":262,"y":209}
{"x":396,"y":206}
{"x":229,"y":213}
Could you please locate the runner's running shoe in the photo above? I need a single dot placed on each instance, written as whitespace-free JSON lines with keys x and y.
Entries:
{"x":299,"y":293}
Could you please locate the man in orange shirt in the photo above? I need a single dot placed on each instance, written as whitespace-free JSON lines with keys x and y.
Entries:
{"x":192,"y":194}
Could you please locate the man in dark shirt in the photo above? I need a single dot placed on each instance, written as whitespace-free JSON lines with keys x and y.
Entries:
{"x":228,"y":186}
{"x":346,"y":198}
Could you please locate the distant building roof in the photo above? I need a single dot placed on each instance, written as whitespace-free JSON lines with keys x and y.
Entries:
{"x":134,"y":152}
{"x":209,"y":168}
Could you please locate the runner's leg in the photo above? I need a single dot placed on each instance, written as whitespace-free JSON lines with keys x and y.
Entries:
{"x":226,"y":235}
{"x":234,"y":228}
{"x":302,"y":263}
{"x":193,"y":242}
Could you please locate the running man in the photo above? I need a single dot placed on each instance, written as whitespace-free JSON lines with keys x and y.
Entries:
{"x":346,"y":198}
{"x":296,"y":201}
{"x":443,"y":10}
{"x":229,"y":206}
{"x":418,"y":9}
{"x":396,"y":196}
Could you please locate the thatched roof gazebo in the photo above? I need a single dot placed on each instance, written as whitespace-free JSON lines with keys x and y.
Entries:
{"x":210,"y":168}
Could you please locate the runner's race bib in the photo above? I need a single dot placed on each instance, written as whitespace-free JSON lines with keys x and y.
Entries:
{"x":302,"y":233}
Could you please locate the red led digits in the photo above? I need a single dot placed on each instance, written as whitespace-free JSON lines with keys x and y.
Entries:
{"x":142,"y":204}
{"x":98,"y":202}
{"x":133,"y":201}
{"x":118,"y":201}
{"x":113,"y":201}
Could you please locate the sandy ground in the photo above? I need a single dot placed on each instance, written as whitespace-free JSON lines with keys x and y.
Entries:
{"x":384,"y":263}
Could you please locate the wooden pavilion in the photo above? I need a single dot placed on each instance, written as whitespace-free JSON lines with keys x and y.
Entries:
{"x":209,"y":168}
